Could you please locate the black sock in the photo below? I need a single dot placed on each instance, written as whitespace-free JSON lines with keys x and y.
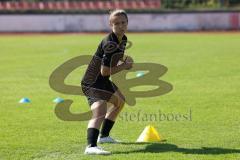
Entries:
{"x":92,"y":136}
{"x":106,"y":127}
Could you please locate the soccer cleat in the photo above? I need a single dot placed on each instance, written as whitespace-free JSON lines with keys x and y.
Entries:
{"x":107,"y":139}
{"x":95,"y":151}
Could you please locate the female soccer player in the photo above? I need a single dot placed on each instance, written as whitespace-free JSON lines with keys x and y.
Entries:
{"x":99,"y":90}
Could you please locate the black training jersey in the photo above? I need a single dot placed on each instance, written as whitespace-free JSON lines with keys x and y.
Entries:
{"x":108,"y":53}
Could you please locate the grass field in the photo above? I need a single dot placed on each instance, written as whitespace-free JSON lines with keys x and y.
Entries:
{"x":202,"y":67}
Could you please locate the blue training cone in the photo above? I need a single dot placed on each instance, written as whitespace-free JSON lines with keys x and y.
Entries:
{"x":58,"y":100}
{"x":25,"y":100}
{"x":140,"y":74}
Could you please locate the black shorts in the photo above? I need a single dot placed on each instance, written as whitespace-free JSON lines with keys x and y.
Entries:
{"x":99,"y":91}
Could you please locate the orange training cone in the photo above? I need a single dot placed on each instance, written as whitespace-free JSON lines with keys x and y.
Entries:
{"x":149,"y":134}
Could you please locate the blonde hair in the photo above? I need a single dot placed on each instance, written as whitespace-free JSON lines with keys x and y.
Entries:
{"x":117,"y":12}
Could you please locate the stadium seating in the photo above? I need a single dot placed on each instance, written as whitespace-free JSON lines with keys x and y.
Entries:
{"x":79,"y":5}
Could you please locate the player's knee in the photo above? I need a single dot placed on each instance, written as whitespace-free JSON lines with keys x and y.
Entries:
{"x":99,"y":110}
{"x":120,"y":103}
{"x":98,"y":116}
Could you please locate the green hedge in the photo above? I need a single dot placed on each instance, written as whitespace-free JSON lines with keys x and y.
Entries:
{"x":191,"y":3}
{"x":234,"y":2}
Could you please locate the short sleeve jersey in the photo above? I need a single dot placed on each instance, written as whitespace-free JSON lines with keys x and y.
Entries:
{"x":108,"y":53}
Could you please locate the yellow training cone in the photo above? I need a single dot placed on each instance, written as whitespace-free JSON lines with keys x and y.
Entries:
{"x":149,"y":134}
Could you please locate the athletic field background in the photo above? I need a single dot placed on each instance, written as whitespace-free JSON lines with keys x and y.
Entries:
{"x":202,"y":67}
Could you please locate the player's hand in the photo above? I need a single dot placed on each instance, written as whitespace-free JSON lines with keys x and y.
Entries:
{"x":129,"y":60}
{"x":127,"y":66}
{"x":128,"y":63}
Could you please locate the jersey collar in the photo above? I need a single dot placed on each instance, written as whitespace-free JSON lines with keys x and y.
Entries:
{"x":115,"y":38}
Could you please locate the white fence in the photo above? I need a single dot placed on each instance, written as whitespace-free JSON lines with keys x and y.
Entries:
{"x":137,"y":22}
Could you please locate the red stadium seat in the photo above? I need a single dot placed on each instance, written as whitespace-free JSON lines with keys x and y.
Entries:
{"x":13,"y":5}
{"x":72,"y":5}
{"x":107,"y":5}
{"x":23,"y":5}
{"x":66,"y":5}
{"x":83,"y":5}
{"x":48,"y":5}
{"x":124,"y":4}
{"x":1,"y":6}
{"x":58,"y":5}
{"x":100,"y":4}
{"x":135,"y":5}
{"x":117,"y":4}
{"x":8,"y":6}
{"x":34,"y":5}
{"x":142,"y":5}
{"x":41,"y":6}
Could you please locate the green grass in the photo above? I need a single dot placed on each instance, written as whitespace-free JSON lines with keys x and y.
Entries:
{"x":203,"y":69}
